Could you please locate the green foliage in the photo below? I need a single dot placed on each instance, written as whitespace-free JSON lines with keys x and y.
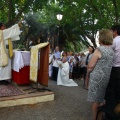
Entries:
{"x":20,"y":46}
{"x":81,"y":18}
{"x":77,"y":46}
{"x":12,"y":11}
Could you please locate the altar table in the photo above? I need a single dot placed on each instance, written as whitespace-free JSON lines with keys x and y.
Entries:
{"x":21,"y":67}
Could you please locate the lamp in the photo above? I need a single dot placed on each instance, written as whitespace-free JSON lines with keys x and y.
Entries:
{"x":59,"y":17}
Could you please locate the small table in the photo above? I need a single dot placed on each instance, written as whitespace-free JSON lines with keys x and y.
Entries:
{"x":21,"y":67}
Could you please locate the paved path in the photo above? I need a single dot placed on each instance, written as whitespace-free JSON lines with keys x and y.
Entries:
{"x":69,"y":104}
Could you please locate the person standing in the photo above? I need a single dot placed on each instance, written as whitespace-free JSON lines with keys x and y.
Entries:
{"x":87,"y":59}
{"x":82,"y":67}
{"x":13,"y":33}
{"x":70,"y":61}
{"x":112,"y":96}
{"x":75,"y":71}
{"x":56,"y":56}
{"x":98,"y":71}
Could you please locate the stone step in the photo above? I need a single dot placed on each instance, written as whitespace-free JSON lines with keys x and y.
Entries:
{"x":26,"y":98}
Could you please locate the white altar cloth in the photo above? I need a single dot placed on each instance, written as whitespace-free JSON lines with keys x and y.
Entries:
{"x":20,"y":59}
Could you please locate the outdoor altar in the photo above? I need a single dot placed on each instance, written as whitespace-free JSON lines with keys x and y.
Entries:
{"x":19,"y":91}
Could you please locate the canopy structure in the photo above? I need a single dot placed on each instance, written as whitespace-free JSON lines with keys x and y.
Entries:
{"x":39,"y":68}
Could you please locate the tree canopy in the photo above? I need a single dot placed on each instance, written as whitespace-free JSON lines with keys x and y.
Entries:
{"x":82,"y":19}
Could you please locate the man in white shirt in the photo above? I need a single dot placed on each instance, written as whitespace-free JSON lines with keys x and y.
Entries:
{"x":112,"y":96}
{"x":56,"y":56}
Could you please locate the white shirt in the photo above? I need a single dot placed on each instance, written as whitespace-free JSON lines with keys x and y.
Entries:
{"x":57,"y":56}
{"x":116,"y":49}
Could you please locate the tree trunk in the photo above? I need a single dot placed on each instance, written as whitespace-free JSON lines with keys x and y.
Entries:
{"x":94,"y":42}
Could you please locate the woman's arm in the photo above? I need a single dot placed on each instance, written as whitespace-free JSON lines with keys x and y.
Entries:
{"x":96,"y":55}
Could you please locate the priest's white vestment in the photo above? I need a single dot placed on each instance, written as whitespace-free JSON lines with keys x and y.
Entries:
{"x":63,"y":75}
{"x":13,"y":33}
{"x":50,"y":64}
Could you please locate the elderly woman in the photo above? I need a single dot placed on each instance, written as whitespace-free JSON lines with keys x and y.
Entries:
{"x":99,"y":69}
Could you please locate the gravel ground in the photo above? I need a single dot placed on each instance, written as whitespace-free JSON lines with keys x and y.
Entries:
{"x":69,"y":104}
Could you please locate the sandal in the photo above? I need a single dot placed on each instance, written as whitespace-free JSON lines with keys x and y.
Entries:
{"x":85,"y":88}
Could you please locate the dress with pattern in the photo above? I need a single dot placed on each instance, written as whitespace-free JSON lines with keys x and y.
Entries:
{"x":100,"y":75}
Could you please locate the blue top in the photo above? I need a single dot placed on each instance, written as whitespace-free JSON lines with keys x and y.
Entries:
{"x":57,"y":55}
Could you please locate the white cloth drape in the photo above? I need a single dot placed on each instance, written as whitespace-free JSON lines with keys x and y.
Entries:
{"x":21,"y":59}
{"x":50,"y":65}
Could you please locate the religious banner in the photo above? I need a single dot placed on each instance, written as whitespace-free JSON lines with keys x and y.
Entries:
{"x":39,"y":73}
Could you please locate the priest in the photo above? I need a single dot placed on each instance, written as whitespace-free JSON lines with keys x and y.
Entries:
{"x":63,"y":74}
{"x":6,"y":36}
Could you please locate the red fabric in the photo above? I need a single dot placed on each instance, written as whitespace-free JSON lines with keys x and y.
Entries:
{"x":21,"y":77}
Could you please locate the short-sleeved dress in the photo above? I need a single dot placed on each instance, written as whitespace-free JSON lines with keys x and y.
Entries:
{"x":100,"y":75}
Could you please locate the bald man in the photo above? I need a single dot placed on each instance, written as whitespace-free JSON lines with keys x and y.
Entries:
{"x":63,"y":74}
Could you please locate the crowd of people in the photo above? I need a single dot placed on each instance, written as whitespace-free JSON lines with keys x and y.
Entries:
{"x":77,"y":63}
{"x":99,"y":68}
